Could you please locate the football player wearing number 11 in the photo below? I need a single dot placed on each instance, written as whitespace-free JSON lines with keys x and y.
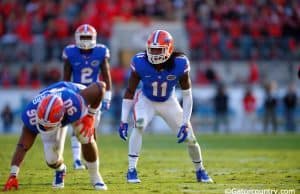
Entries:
{"x":159,"y":69}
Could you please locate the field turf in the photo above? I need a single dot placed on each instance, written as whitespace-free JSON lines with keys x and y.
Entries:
{"x":234,"y":162}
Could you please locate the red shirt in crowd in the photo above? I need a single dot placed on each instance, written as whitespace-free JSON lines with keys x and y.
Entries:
{"x":249,"y":103}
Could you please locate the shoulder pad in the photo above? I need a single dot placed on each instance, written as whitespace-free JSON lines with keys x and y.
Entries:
{"x":183,"y":62}
{"x":136,"y":60}
{"x":70,"y":46}
{"x":101,"y":45}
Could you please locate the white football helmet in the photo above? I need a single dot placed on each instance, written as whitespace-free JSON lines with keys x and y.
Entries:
{"x":159,"y":47}
{"x":86,"y":37}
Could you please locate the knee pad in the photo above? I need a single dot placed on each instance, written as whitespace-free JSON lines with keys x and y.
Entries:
{"x":52,"y":156}
{"x":140,"y":123}
{"x":55,"y":165}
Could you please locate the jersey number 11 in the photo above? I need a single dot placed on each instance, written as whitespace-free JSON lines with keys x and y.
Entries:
{"x":156,"y":87}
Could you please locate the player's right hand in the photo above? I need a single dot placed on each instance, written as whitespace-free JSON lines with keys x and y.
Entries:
{"x":123,"y":130}
{"x":88,"y":128}
{"x":12,"y":182}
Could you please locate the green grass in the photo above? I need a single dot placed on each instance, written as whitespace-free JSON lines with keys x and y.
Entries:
{"x":233,"y":161}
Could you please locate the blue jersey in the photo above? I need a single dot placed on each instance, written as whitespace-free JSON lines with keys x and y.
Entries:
{"x":85,"y":66}
{"x":159,"y":85}
{"x":73,"y":102}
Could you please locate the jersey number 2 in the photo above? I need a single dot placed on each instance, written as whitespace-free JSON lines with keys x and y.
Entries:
{"x":156,"y":87}
{"x":86,"y":75}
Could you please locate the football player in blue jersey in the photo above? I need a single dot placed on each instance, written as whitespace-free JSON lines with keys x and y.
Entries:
{"x":84,"y":62}
{"x":58,"y":105}
{"x":159,"y":69}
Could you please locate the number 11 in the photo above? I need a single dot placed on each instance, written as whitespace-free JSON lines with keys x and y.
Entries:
{"x":163,"y":87}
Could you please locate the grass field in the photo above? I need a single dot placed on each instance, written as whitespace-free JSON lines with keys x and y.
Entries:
{"x":234,"y":162}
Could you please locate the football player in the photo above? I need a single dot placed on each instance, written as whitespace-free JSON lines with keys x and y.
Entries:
{"x":84,"y":62}
{"x":53,"y":108}
{"x":160,"y":69}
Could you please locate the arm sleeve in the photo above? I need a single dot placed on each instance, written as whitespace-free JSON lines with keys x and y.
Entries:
{"x":126,"y":107}
{"x":187,"y":105}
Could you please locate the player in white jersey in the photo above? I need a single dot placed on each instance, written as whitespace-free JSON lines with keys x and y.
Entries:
{"x":160,"y":70}
{"x":84,"y":62}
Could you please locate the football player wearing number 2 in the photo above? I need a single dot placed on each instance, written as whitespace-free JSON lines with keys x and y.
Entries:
{"x":159,"y":69}
{"x":84,"y":62}
{"x":53,"y":108}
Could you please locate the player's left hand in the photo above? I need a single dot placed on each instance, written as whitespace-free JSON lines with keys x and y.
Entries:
{"x":182,"y":133}
{"x":12,"y":182}
{"x":123,"y":130}
{"x":88,"y":127}
{"x":105,"y":105}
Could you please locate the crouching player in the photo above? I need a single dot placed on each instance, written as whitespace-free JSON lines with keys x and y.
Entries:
{"x":56,"y":106}
{"x":160,"y":70}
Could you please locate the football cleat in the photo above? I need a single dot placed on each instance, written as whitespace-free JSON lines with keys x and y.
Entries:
{"x":202,"y":176}
{"x":100,"y":186}
{"x":58,"y":181}
{"x":132,"y":176}
{"x":78,"y":165}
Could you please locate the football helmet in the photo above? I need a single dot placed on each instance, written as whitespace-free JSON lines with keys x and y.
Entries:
{"x":159,"y":47}
{"x":50,"y":113}
{"x":85,"y":37}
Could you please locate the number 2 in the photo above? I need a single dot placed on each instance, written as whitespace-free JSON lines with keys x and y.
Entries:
{"x":85,"y":75}
{"x":162,"y":86}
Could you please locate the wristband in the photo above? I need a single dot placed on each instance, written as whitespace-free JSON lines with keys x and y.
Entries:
{"x":14,"y":170}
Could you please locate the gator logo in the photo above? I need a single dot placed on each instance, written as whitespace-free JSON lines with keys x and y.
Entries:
{"x":171,"y":77}
{"x":95,"y":63}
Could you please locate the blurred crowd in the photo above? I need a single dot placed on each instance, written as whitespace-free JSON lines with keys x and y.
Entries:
{"x":35,"y":31}
{"x":33,"y":34}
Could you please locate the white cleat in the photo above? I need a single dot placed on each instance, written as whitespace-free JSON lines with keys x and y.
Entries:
{"x":58,"y":182}
{"x":132,"y":176}
{"x":78,"y":165}
{"x":100,"y":186}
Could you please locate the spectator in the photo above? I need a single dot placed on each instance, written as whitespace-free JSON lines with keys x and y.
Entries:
{"x":6,"y":79}
{"x":23,"y":77}
{"x":221,"y":108}
{"x":253,"y":73}
{"x":249,"y":105}
{"x":270,"y":105}
{"x":290,"y":104}
{"x":34,"y":77}
{"x":7,"y":117}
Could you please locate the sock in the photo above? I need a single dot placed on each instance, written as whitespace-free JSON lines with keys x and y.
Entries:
{"x":76,"y":148}
{"x":195,"y":155}
{"x":135,"y":146}
{"x":93,"y":169}
{"x":61,"y":167}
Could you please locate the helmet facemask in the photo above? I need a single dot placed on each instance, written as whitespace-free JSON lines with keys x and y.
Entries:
{"x":157,"y":54}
